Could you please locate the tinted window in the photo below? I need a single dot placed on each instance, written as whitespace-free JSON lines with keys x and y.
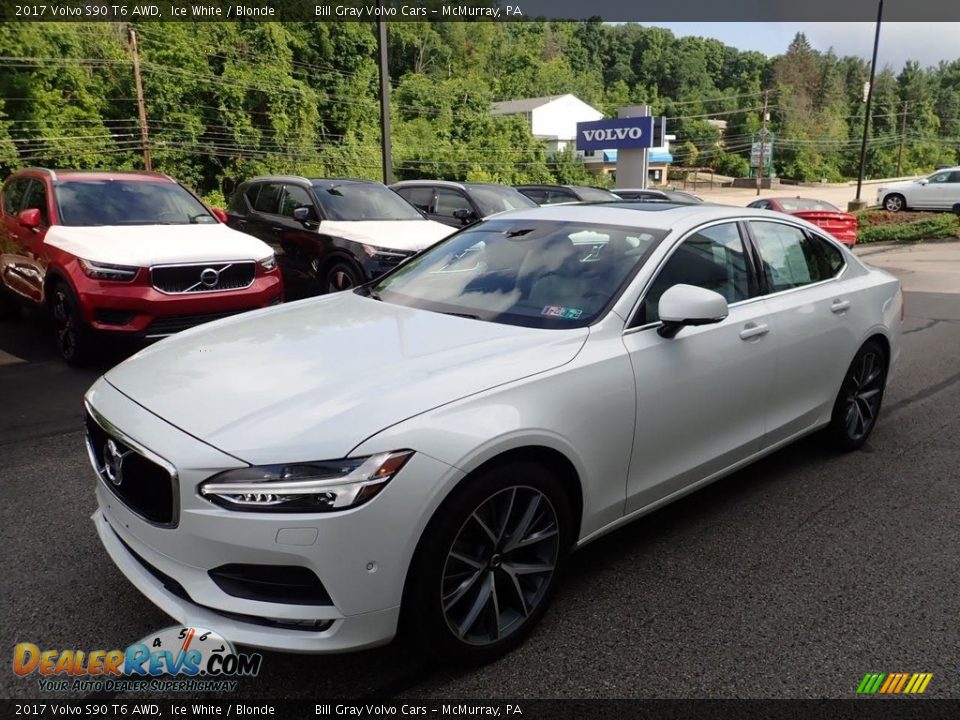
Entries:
{"x":13,"y":196}
{"x":537,"y":195}
{"x":940,"y":177}
{"x":522,"y":272}
{"x":128,"y":202}
{"x":363,"y":201}
{"x":712,"y":258}
{"x":293,"y":197}
{"x":497,"y":198}
{"x":790,"y":259}
{"x":831,"y":259}
{"x":36,"y":197}
{"x":559,"y":196}
{"x":268,"y":199}
{"x":420,"y":197}
{"x":449,"y":201}
{"x":955,"y":176}
{"x":795,"y":204}
{"x":596,"y":195}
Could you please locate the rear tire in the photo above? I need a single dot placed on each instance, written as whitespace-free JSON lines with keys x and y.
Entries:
{"x":894,"y":202}
{"x":857,"y":406}
{"x":73,"y":336}
{"x":488,"y":563}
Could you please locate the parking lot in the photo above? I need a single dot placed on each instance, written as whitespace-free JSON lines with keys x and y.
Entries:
{"x":792,"y":578}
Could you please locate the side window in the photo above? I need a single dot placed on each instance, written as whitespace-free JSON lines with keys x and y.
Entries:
{"x":760,"y":205}
{"x":940,"y":178}
{"x":789,"y":258}
{"x":294,"y":197}
{"x":36,"y":197}
{"x":712,"y":258}
{"x":538,"y":196}
{"x":420,"y":197}
{"x":831,"y":259}
{"x":268,"y":199}
{"x":560,"y":196}
{"x":13,"y":196}
{"x":955,"y":176}
{"x":449,"y":201}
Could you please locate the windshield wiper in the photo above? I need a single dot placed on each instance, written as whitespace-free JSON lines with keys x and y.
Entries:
{"x":462,"y":315}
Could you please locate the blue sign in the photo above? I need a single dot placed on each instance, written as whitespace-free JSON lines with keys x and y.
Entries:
{"x":620,"y":134}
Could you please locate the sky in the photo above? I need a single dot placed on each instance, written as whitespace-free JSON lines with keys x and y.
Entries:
{"x":927,"y":43}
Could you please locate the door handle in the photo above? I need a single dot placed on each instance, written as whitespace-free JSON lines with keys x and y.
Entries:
{"x":754,"y":330}
{"x":277,"y":228}
{"x":839,"y":306}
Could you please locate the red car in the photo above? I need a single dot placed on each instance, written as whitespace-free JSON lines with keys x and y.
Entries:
{"x":842,"y":225}
{"x":129,"y":254}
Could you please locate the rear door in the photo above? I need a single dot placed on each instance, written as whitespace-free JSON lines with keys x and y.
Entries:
{"x":811,"y":307}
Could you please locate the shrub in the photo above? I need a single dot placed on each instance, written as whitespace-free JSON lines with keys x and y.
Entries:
{"x":216,"y":199}
{"x":927,"y":227}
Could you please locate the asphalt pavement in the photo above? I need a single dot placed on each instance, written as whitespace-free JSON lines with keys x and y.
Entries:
{"x":792,"y":578}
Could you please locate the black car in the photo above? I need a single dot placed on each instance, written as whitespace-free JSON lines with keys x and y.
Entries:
{"x":459,"y":204}
{"x":651,"y":195}
{"x":330,"y":235}
{"x":551,"y":194}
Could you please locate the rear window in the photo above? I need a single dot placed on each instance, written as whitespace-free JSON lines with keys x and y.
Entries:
{"x":796,"y":204}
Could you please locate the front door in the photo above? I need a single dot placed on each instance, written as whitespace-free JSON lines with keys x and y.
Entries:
{"x":701,"y":395}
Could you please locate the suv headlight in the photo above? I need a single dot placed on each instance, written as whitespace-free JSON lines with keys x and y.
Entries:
{"x":268,"y":263}
{"x":321,"y":486}
{"x":384,"y":253}
{"x":105,"y":271}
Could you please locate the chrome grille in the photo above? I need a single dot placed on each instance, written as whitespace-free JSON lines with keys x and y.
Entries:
{"x":143,"y":485}
{"x":203,"y":277}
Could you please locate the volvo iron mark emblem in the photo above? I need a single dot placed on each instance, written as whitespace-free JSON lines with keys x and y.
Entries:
{"x":113,"y":462}
{"x":210,"y":277}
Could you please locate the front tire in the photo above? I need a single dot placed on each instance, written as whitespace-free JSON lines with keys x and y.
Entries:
{"x":73,"y":337}
{"x":488,"y":564}
{"x":341,"y":275}
{"x":894,"y":203}
{"x":858,"y":403}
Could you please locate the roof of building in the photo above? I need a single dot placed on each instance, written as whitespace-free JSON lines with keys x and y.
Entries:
{"x":509,"y":107}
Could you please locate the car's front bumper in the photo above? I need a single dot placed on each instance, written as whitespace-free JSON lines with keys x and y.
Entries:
{"x":360,"y":556}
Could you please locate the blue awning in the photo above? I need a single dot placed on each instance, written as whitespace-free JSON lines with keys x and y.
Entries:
{"x":656,"y":157}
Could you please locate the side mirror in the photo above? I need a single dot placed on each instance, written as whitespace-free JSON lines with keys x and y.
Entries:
{"x":29,"y":218}
{"x":683,"y":305}
{"x":219,"y":215}
{"x":465,"y":216}
{"x":303,"y":215}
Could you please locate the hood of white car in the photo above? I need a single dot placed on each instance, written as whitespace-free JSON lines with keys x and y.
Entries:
{"x":311,"y":380}
{"x":146,"y":245}
{"x":391,"y":234}
{"x":901,"y":185}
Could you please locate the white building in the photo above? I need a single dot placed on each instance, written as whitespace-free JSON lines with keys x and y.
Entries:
{"x":552,"y":118}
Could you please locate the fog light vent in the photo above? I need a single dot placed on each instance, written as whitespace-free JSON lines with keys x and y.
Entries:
{"x":287,"y":584}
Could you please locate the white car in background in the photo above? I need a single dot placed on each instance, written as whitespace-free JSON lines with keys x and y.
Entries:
{"x":429,"y":447}
{"x":940,"y":191}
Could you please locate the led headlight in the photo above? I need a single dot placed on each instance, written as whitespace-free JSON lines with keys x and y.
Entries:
{"x":106,"y":271}
{"x":385,"y":254}
{"x":322,"y":486}
{"x":268,"y":263}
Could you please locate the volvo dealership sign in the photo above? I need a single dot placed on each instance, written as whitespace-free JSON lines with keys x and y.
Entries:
{"x":630,"y":133}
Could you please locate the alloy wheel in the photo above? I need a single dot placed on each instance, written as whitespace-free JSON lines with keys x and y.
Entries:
{"x":863,"y":388}
{"x":500,"y":564}
{"x":893,"y":203}
{"x":340,"y":279}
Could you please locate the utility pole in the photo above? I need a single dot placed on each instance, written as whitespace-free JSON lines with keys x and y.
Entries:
{"x":384,"y":102}
{"x":763,"y":141}
{"x":141,"y":108}
{"x":903,"y":135}
{"x":857,"y":203}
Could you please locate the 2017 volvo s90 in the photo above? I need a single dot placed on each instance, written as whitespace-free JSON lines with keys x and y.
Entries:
{"x":427,"y":449}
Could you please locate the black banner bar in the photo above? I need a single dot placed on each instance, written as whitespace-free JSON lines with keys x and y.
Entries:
{"x":474,"y":10}
{"x":855,"y":709}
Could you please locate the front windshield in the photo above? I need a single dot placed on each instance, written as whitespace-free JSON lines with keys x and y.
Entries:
{"x":363,"y":201}
{"x":495,"y":198}
{"x":128,"y":202}
{"x":522,"y":272}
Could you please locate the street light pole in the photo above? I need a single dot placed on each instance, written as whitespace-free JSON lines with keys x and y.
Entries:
{"x":857,"y":203}
{"x":384,"y":102}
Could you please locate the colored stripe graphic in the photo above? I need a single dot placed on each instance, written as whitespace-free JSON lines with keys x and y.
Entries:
{"x":894,"y":683}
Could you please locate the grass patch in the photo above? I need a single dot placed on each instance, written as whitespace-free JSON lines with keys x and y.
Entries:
{"x":883,"y":226}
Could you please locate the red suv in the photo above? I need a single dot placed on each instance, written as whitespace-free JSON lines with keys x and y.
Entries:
{"x":132,"y":254}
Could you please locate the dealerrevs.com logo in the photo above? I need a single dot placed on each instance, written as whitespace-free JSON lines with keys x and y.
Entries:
{"x":177,"y":659}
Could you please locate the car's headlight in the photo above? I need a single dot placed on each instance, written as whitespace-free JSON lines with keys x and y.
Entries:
{"x":105,"y":271}
{"x":385,"y":253}
{"x":268,"y":263}
{"x":322,"y":486}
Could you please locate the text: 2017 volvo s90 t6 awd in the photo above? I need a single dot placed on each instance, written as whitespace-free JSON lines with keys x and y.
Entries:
{"x":428,"y":448}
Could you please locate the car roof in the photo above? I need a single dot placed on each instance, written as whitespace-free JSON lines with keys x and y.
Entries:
{"x":654,"y":216}
{"x":100,"y":175}
{"x":449,"y":183}
{"x":317,"y":182}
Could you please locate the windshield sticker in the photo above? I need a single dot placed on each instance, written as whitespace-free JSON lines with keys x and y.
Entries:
{"x":562,"y":312}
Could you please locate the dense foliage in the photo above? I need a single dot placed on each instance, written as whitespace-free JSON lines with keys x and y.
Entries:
{"x":880,"y":226}
{"x":227,"y":101}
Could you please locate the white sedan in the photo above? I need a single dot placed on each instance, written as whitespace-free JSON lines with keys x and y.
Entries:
{"x":427,"y":449}
{"x":940,"y":191}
